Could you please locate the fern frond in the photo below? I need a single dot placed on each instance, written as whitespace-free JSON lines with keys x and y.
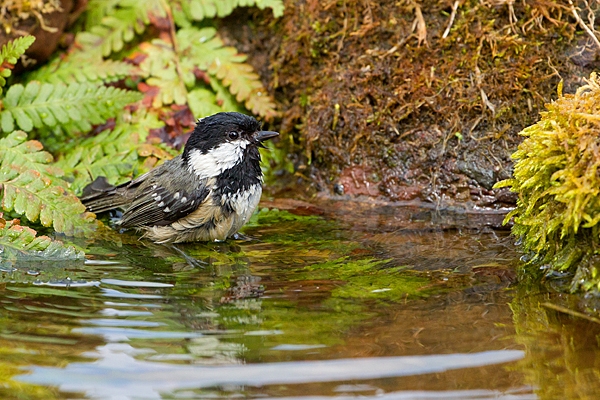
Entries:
{"x":275,"y":5}
{"x":225,"y":99}
{"x":14,"y":49}
{"x":118,"y":30}
{"x":198,"y":10}
{"x":44,"y":104}
{"x":98,"y":9}
{"x":245,"y":84}
{"x":161,"y":69}
{"x":30,"y":154}
{"x":9,"y":55}
{"x":78,"y":68}
{"x":202,"y":48}
{"x":35,"y":192}
{"x":116,"y":154}
{"x":118,"y":25}
{"x":203,"y":102}
{"x":19,"y":242}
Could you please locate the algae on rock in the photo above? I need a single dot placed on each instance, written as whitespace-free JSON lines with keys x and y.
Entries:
{"x":557,"y":180}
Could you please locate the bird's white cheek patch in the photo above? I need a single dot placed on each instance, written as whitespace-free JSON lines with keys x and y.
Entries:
{"x":217,"y":160}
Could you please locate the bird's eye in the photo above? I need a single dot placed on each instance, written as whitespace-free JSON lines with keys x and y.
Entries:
{"x":233,"y":135}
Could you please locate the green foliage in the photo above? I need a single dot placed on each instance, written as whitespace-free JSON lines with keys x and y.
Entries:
{"x":44,"y":104}
{"x":84,"y":69}
{"x":22,"y":243}
{"x":33,"y":188}
{"x":9,"y":55}
{"x":115,"y":153}
{"x":112,"y":24}
{"x":160,"y":68}
{"x":205,"y":50}
{"x":556,"y":176}
{"x":197,"y":10}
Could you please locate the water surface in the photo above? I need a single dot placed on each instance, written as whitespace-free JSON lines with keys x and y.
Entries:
{"x":336,"y":300}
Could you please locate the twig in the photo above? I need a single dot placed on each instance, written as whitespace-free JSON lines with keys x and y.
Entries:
{"x":583,"y":24}
{"x":451,"y":22}
{"x":173,"y":35}
{"x":420,"y":25}
{"x":570,"y":312}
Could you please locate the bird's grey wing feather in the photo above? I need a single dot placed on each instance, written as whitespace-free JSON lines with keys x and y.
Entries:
{"x":154,"y":204}
{"x":100,"y":196}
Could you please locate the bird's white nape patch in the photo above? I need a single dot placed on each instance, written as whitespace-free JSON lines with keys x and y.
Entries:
{"x":223,"y":157}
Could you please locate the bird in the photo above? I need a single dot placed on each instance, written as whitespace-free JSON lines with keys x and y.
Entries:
{"x":207,"y":193}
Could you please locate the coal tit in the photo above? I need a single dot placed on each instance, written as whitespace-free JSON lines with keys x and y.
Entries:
{"x":206,"y":193}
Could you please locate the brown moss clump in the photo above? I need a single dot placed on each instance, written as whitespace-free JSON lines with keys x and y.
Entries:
{"x":13,"y":12}
{"x":408,"y":99}
{"x":44,"y":19}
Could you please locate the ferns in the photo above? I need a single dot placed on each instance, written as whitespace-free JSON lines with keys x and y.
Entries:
{"x":82,"y":70}
{"x":197,"y":10}
{"x":102,"y":105}
{"x":37,"y":105}
{"x":9,"y":55}
{"x":161,"y":69}
{"x":116,"y":23}
{"x":113,"y":153}
{"x":36,"y":190}
{"x":204,"y":50}
{"x":20,"y":242}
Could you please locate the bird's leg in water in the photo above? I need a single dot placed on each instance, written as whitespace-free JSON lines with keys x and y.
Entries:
{"x":193,"y":262}
{"x":241,"y":236}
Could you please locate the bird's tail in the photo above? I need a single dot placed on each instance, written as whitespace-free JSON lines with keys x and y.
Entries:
{"x":100,"y":196}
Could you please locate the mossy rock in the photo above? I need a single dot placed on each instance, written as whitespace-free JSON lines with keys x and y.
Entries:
{"x":557,"y":181}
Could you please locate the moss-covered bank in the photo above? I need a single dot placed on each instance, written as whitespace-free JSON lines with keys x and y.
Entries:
{"x":405,"y":100}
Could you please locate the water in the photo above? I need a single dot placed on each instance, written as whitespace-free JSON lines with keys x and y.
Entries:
{"x":336,"y":300}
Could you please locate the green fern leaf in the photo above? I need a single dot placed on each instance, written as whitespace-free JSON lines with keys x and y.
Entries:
{"x":12,"y":50}
{"x":91,"y":161}
{"x":161,"y":69}
{"x":38,"y":193}
{"x":202,"y":48}
{"x":29,"y":154}
{"x":9,"y":55}
{"x":203,"y":102}
{"x":38,"y":105}
{"x":116,"y":31}
{"x":98,"y":9}
{"x":275,"y":5}
{"x":198,"y":10}
{"x":224,"y":97}
{"x":116,"y":154}
{"x":117,"y":25}
{"x":19,"y":242}
{"x":80,"y":68}
{"x":245,"y":84}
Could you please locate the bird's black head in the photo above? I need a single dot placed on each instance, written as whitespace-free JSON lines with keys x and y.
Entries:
{"x":219,"y":128}
{"x":222,"y":141}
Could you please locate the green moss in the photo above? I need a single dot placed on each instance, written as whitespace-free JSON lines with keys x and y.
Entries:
{"x":367,"y":279}
{"x":556,"y":177}
{"x":266,"y":216}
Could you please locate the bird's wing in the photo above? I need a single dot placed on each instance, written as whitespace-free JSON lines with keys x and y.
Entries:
{"x":154,"y":204}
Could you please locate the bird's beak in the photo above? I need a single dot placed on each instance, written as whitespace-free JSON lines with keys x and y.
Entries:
{"x":261,"y":136}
